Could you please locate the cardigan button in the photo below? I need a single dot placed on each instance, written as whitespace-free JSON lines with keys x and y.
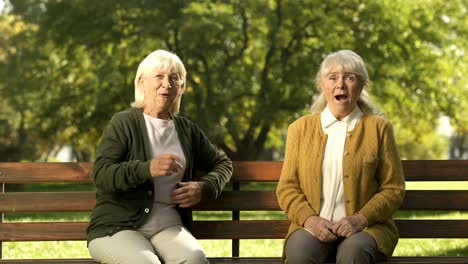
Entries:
{"x":150,"y":193}
{"x":147,"y":210}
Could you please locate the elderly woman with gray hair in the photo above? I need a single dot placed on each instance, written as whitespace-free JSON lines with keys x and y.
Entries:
{"x":144,"y":173}
{"x":342,"y":178}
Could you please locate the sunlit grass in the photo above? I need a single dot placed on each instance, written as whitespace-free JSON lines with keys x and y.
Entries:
{"x":442,"y":185}
{"x":222,"y":248}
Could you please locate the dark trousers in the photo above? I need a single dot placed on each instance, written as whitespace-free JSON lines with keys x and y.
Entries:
{"x":303,"y":247}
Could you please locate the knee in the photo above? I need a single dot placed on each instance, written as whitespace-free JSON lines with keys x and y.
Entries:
{"x":295,"y":257}
{"x":196,"y":257}
{"x":300,"y":248}
{"x":355,"y":252}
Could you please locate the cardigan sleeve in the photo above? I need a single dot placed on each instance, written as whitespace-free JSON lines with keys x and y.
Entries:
{"x":214,"y":162}
{"x":291,"y":198}
{"x":112,"y":169}
{"x":389,"y":174}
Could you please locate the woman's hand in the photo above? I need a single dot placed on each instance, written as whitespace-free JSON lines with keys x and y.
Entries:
{"x":165,"y":165}
{"x":187,"y":194}
{"x":350,"y":225}
{"x":320,"y":228}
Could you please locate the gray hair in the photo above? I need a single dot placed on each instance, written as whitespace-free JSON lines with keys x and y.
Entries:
{"x":344,"y":61}
{"x":159,"y":59}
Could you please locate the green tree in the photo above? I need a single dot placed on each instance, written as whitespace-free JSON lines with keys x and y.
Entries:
{"x":251,"y":65}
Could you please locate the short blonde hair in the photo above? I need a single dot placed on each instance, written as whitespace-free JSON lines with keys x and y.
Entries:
{"x":344,"y":61}
{"x":166,"y":60}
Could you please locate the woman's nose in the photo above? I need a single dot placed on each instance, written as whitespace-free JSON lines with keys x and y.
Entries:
{"x":340,"y":83}
{"x":166,"y":82}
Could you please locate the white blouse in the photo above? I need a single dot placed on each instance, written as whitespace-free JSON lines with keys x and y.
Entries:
{"x":332,"y":195}
{"x":163,"y":139}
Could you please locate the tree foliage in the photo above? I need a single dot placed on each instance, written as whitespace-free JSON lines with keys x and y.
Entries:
{"x":251,"y":66}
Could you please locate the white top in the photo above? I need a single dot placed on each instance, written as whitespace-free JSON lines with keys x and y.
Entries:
{"x":164,"y":139}
{"x":332,"y":195}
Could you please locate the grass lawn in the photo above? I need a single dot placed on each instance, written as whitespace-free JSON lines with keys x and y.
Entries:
{"x":406,"y":247}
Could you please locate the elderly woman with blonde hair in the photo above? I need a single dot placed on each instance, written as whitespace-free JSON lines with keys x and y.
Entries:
{"x":342,"y":178}
{"x":144,"y":173}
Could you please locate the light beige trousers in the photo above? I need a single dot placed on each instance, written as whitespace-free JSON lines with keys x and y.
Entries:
{"x":172,"y":245}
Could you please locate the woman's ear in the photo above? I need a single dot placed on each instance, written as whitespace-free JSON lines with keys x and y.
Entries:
{"x":141,"y":80}
{"x":182,"y":88}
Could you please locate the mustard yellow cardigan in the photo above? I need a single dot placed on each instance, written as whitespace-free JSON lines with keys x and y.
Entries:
{"x":373,"y":179}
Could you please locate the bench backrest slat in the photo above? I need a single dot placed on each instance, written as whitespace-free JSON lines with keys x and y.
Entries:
{"x":265,"y":200}
{"x":435,"y":170}
{"x":456,"y":200}
{"x":248,"y":229}
{"x":45,"y":172}
{"x":47,"y":202}
{"x":244,"y":171}
{"x":41,"y":231}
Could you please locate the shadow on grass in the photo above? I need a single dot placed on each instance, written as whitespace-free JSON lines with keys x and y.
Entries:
{"x":459,"y":251}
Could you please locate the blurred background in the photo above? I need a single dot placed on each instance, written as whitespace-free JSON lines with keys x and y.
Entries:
{"x":67,"y":66}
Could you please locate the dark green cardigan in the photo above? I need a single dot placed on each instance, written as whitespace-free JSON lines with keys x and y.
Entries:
{"x":121,"y":172}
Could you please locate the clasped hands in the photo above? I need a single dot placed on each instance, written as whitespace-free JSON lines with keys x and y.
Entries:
{"x":186,"y":194}
{"x":328,"y":231}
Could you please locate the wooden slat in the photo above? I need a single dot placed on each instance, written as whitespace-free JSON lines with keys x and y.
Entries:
{"x":435,"y":170}
{"x":243,"y":201}
{"x":433,"y":228}
{"x":435,"y":200}
{"x":276,"y":229}
{"x":58,"y":231}
{"x":25,"y":202}
{"x":246,"y":229}
{"x":244,"y":171}
{"x":44,"y":172}
{"x":414,"y":170}
{"x":50,"y":231}
{"x":265,"y":200}
{"x":262,"y":171}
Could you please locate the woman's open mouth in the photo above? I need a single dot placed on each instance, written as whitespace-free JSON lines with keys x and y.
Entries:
{"x":341,"y":98}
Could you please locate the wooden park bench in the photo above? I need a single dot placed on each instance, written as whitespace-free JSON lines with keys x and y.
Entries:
{"x":240,"y":197}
